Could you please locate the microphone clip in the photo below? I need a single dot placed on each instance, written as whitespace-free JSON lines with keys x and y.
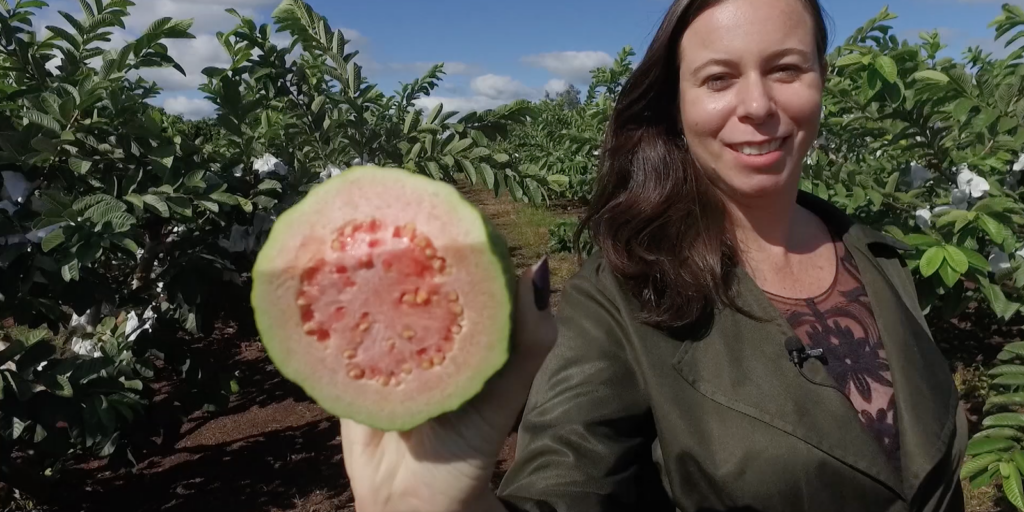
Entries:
{"x":800,"y":355}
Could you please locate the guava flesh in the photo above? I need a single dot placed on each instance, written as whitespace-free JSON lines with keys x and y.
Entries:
{"x":386,"y":296}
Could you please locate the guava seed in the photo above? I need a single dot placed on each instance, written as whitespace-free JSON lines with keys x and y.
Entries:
{"x":357,"y":373}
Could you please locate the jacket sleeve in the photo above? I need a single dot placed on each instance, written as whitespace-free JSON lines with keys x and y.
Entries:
{"x":586,"y":429}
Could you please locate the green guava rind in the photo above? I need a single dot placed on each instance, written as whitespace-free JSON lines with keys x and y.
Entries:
{"x":273,"y":340}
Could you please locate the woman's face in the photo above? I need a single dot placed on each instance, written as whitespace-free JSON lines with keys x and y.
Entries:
{"x":750,"y":94}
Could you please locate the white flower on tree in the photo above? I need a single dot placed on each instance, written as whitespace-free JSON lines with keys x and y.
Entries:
{"x":269,"y":164}
{"x":924,"y":218}
{"x":329,"y":172}
{"x":969,"y":182}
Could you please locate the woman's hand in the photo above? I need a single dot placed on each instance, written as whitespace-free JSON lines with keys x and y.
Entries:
{"x":445,"y":465}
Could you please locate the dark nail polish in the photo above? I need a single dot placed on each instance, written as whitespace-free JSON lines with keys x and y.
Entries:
{"x":542,"y":285}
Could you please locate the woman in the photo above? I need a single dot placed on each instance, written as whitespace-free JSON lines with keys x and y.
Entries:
{"x":734,"y":345}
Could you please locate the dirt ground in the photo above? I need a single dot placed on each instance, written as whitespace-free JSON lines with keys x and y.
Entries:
{"x":273,"y":450}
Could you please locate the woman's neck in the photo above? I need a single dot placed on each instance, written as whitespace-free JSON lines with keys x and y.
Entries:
{"x":766,"y":227}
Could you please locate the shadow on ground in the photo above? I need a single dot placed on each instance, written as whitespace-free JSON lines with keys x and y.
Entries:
{"x":276,"y":470}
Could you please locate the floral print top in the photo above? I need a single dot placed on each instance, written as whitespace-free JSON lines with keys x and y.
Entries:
{"x":841,"y":323}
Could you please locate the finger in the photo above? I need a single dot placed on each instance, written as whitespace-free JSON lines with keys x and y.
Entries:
{"x":534,"y":335}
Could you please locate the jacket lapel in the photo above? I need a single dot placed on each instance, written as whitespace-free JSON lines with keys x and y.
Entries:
{"x":742,"y":363}
{"x":926,"y":397}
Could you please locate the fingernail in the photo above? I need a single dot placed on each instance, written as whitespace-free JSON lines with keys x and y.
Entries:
{"x":542,"y":285}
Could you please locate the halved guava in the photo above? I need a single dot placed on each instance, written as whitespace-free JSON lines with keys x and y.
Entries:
{"x":386,"y":296}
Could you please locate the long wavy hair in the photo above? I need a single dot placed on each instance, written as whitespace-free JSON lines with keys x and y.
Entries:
{"x":661,"y":225}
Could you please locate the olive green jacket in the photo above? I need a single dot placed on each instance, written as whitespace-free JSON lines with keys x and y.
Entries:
{"x":625,"y":417}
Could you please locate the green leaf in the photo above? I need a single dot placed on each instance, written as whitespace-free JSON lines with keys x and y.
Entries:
{"x":921,"y":240}
{"x":995,"y":229}
{"x":214,"y":72}
{"x":70,"y":271}
{"x":1009,"y":399}
{"x":976,"y":260}
{"x":269,"y":185}
{"x":79,"y":165}
{"x":1018,"y":459}
{"x":849,"y":59}
{"x":1001,"y":432}
{"x":457,"y":147}
{"x":558,"y":181}
{"x":988,"y":445}
{"x":55,"y":238}
{"x":931,"y":261}
{"x":983,"y":479}
{"x":887,"y":67}
{"x":65,"y":387}
{"x":43,"y":120}
{"x":948,"y":275}
{"x":1013,"y":489}
{"x":931,"y":75}
{"x":245,"y":204}
{"x":1009,"y":380}
{"x":434,"y":170}
{"x":121,"y":222}
{"x":224,"y":198}
{"x":157,"y":205}
{"x":40,"y":434}
{"x":488,"y":175}
{"x":956,"y":258}
{"x":1007,"y":369}
{"x":17,"y":427}
{"x":135,"y":199}
{"x":467,"y":168}
{"x":978,"y":464}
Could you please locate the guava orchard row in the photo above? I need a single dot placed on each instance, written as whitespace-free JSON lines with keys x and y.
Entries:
{"x":413,"y":328}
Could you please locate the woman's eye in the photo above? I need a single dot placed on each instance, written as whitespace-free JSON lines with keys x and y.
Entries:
{"x":788,"y":71}
{"x":717,"y":81}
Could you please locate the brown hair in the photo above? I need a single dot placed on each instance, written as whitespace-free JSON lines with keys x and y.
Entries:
{"x":659,"y":222}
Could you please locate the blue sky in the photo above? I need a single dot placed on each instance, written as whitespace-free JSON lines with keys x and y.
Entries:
{"x":497,"y":51}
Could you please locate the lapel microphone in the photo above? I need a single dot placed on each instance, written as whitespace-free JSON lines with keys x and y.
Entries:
{"x":798,"y":353}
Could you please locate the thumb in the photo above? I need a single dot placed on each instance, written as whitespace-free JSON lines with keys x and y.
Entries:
{"x":533,"y":335}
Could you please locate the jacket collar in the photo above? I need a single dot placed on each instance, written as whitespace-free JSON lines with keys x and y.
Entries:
{"x":742,"y":363}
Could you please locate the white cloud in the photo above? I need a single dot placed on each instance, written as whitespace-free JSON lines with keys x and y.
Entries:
{"x":555,"y":86}
{"x":572,"y":66}
{"x":418,"y":68}
{"x":463,"y":104}
{"x":208,"y":16}
{"x":500,"y":87}
{"x":189,"y":108}
{"x":193,"y":55}
{"x":488,"y":91}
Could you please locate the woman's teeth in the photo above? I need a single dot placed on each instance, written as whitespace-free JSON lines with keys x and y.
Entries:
{"x":759,"y":149}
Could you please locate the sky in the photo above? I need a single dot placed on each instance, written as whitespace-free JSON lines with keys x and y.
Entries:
{"x":496,"y":51}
